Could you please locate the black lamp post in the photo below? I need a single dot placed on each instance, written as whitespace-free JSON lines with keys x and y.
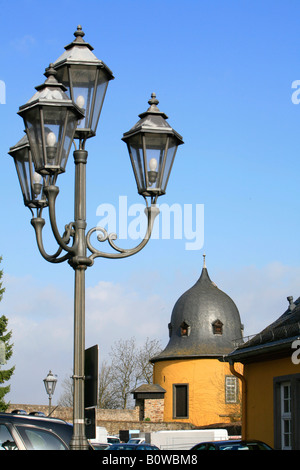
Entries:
{"x":50,"y":384}
{"x":52,"y":121}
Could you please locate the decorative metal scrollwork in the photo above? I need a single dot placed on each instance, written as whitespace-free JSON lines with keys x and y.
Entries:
{"x":151,"y":213}
{"x":70,"y":233}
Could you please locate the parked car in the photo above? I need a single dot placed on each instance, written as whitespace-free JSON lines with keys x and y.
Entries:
{"x":127,"y":446}
{"x":25,"y":432}
{"x":100,"y":446}
{"x":234,"y":444}
{"x":19,"y":412}
{"x":136,"y":440}
{"x":37,"y":413}
{"x":113,"y":439}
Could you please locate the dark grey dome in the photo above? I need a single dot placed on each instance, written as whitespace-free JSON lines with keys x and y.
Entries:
{"x":204,"y":323}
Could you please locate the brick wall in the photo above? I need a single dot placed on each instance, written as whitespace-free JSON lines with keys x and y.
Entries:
{"x":154,"y":409}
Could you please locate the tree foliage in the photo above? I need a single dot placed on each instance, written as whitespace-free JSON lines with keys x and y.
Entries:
{"x":5,"y":336}
{"x":130,"y":367}
{"x":107,"y":396}
{"x":66,"y":398}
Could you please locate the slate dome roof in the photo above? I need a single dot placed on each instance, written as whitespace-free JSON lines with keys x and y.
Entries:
{"x":204,"y":323}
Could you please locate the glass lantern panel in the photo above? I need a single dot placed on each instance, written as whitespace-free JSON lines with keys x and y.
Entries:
{"x":50,"y":386}
{"x":51,"y":144}
{"x":100,"y":91}
{"x":33,"y":126}
{"x":172,"y":147}
{"x":59,"y":126}
{"x":155,"y":150}
{"x":69,"y":135}
{"x":82,"y":79}
{"x":23,"y":171}
{"x":31,"y":182}
{"x":137,"y":160}
{"x":54,"y":122}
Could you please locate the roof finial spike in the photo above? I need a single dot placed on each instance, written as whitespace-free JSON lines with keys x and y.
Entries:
{"x":204,"y":265}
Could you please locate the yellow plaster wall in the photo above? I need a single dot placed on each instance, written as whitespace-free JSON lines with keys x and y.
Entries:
{"x":206,"y":379}
{"x":259,"y":420}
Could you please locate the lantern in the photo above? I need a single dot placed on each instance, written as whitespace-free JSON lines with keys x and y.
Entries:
{"x":50,"y":119}
{"x":152,"y":146}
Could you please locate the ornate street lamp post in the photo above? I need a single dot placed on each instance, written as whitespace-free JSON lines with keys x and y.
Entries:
{"x":64,"y":109}
{"x":50,"y":384}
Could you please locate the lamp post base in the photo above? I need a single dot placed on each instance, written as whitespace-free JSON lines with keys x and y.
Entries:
{"x":79,"y":443}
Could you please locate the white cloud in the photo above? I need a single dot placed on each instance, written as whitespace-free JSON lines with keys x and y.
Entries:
{"x":114,"y":311}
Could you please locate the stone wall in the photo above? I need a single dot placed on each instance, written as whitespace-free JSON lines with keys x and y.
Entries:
{"x":67,"y":413}
{"x":57,"y":412}
{"x":114,"y":427}
{"x":113,"y":420}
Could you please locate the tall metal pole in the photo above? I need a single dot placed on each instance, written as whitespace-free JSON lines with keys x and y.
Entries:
{"x":79,"y":263}
{"x":49,"y":406}
{"x":79,"y":441}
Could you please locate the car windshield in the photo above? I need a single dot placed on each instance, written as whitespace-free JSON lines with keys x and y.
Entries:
{"x":233,"y":447}
{"x":113,"y":440}
{"x":122,"y":447}
{"x":6,"y":440}
{"x":40,"y":439}
{"x":244,"y":446}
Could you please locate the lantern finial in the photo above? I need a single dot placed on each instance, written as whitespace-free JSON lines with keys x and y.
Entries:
{"x":50,"y":71}
{"x":153,"y":99}
{"x":79,"y":41}
{"x":79,"y":32}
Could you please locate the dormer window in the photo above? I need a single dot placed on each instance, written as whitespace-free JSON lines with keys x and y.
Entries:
{"x":170,"y":329}
{"x":217,"y":327}
{"x":185,"y":329}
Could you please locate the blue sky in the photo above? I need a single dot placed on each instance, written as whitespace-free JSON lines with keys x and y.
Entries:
{"x":223,"y":73}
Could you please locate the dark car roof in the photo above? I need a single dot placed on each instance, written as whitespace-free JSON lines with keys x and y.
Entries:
{"x":47,"y":421}
{"x":59,"y":426}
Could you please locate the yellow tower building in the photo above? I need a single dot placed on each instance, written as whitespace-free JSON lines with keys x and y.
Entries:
{"x":199,"y":387}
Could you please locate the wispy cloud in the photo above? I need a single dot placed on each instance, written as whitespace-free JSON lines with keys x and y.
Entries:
{"x":23,"y":44}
